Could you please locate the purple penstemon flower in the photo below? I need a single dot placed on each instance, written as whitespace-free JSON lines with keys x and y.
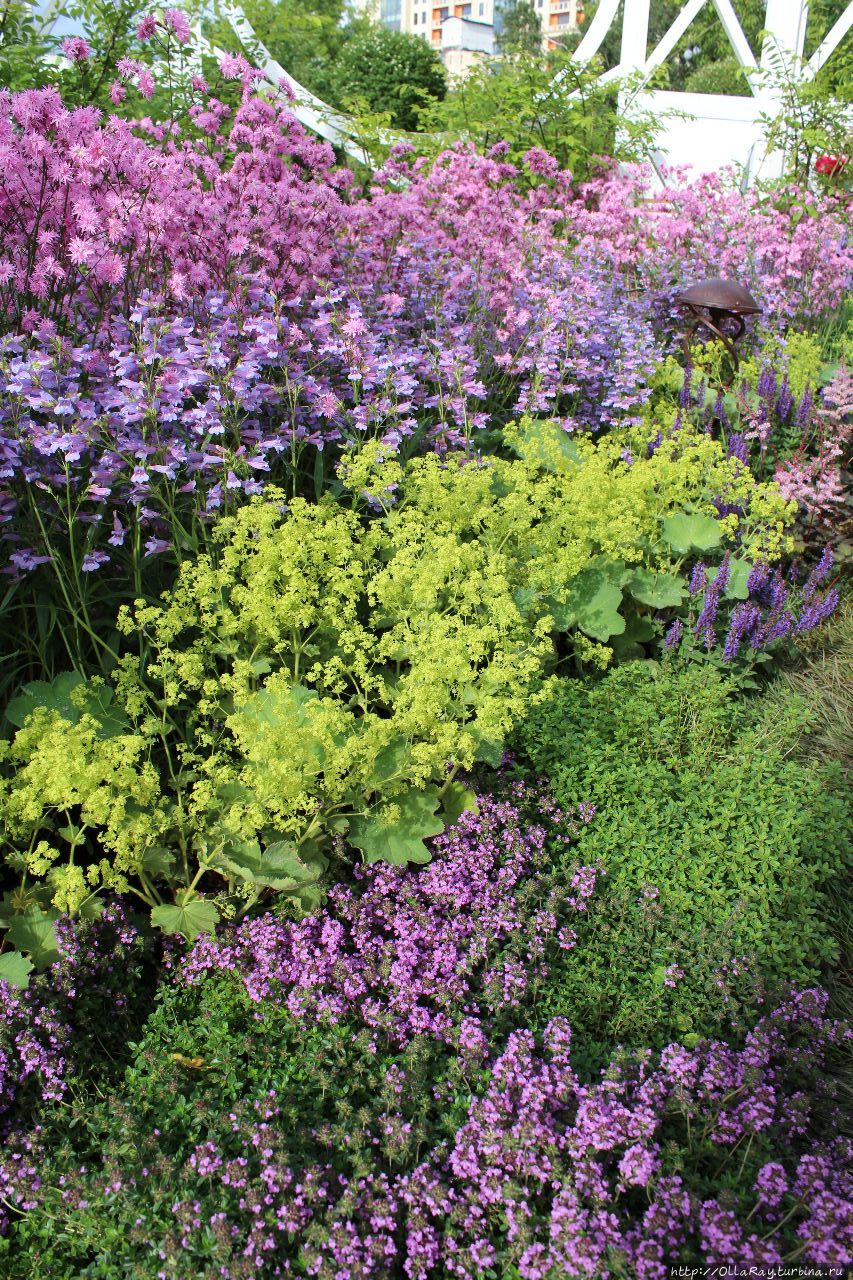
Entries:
{"x":93,"y":561}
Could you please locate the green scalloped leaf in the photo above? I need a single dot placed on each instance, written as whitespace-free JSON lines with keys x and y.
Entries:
{"x":490,"y":753}
{"x":279,"y":705}
{"x":33,"y":931}
{"x":391,"y":761}
{"x":94,"y":700}
{"x":279,"y":866}
{"x":736,"y":587}
{"x":189,"y":918}
{"x":15,"y":968}
{"x":457,"y":799}
{"x":159,"y":861}
{"x":638,"y":631}
{"x":686,"y":533}
{"x":383,"y":836}
{"x":658,"y":590}
{"x":593,"y":600}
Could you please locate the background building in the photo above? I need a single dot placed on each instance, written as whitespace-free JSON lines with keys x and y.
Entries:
{"x":426,"y":18}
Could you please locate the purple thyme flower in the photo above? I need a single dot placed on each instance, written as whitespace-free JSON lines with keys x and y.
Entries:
{"x":771,"y":1184}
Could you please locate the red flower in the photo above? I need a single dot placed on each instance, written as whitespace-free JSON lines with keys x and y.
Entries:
{"x":830,"y":165}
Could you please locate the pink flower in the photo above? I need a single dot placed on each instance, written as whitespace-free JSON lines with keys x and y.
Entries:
{"x":145,"y":84}
{"x":80,"y":251}
{"x":326,"y":404}
{"x":76,"y":49}
{"x":147,"y":27}
{"x":177,"y":22}
{"x":541,"y":163}
{"x":237,"y":68}
{"x":109,"y":270}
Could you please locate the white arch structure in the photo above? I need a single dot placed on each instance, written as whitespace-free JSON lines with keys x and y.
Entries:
{"x":700,"y":130}
{"x":708,"y":131}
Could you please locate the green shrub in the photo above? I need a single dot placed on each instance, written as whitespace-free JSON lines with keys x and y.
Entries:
{"x":824,"y":682}
{"x":202,"y":1071}
{"x":390,"y":70}
{"x":717,"y":847}
{"x":724,"y":76}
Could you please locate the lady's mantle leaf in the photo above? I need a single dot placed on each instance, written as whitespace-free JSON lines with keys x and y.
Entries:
{"x":189,"y":918}
{"x":32,"y":931}
{"x":686,"y":533}
{"x":395,"y":832}
{"x":15,"y":968}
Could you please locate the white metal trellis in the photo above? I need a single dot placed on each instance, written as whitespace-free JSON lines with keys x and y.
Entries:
{"x":708,"y":131}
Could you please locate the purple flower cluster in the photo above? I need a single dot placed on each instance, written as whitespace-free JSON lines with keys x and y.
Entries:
{"x":158,"y":375}
{"x":39,"y":1025}
{"x":774,"y":607}
{"x":545,"y":1174}
{"x":409,"y":954}
{"x":34,"y":1045}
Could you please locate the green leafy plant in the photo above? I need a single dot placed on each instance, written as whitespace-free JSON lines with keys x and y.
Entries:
{"x":717,"y":847}
{"x":528,"y":99}
{"x":389,"y":70}
{"x":324,"y":673}
{"x":23,"y":46}
{"x":813,"y":120}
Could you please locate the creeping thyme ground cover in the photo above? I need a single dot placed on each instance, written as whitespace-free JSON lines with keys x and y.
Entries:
{"x":423,"y":809}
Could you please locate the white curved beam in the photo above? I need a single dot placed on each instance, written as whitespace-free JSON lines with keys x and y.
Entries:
{"x":310,"y":110}
{"x":670,"y":39}
{"x":734,"y":31}
{"x":598,"y":29}
{"x":633,"y":48}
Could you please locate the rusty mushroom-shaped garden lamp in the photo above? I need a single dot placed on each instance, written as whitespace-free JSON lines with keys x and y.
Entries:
{"x":712,"y":303}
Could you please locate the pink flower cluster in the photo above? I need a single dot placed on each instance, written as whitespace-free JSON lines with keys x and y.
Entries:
{"x":407,"y":952}
{"x":799,"y":269}
{"x":198,"y":308}
{"x":93,"y":212}
{"x":813,"y":475}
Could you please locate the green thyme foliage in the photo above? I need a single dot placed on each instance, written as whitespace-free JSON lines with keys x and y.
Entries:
{"x":717,"y":846}
{"x":203,"y":1069}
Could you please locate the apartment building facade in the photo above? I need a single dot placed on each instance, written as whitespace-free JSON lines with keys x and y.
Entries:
{"x":425,"y":17}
